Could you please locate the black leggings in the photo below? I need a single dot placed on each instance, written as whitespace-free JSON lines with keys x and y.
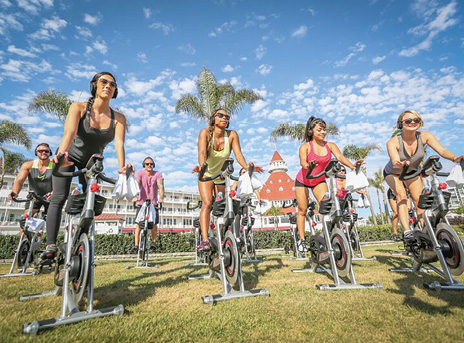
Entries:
{"x":61,"y":186}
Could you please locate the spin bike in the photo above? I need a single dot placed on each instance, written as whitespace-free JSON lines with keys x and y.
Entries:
{"x":245,"y":225}
{"x":298,"y":255}
{"x":350,"y":226}
{"x":331,"y":251}
{"x":144,"y":248}
{"x":200,"y":259}
{"x":74,"y":267}
{"x":27,"y":254}
{"x":223,"y":258}
{"x":439,"y":241}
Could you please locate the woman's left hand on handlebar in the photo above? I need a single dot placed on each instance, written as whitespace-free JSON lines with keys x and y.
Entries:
{"x":256,"y":168}
{"x":196,"y":169}
{"x":458,"y":159}
{"x":127,"y":166}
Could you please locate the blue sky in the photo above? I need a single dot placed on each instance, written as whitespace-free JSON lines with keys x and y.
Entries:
{"x":358,"y":64}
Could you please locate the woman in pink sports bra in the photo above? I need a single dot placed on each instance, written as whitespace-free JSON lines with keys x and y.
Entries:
{"x":319,"y":151}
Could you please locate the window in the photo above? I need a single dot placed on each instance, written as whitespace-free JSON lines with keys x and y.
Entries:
{"x":271,"y":182}
{"x":279,"y":181}
{"x":281,"y":189}
{"x":268,"y":191}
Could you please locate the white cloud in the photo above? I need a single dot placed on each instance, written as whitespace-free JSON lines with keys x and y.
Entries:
{"x":23,"y":71}
{"x":300,"y":32}
{"x":80,"y":71}
{"x":142,"y":57}
{"x":188,"y":49}
{"x":376,"y":60}
{"x":358,"y":47}
{"x":34,"y":6}
{"x":112,"y":66}
{"x":49,"y":28}
{"x":9,"y":22}
{"x":264,"y":69}
{"x":165,"y":28}
{"x":443,"y":20}
{"x":182,"y":87}
{"x":20,"y":52}
{"x":147,"y":12}
{"x":258,"y":105}
{"x":227,"y":26}
{"x":188,"y":64}
{"x":83,"y":32}
{"x":92,"y":19}
{"x":100,"y":46}
{"x":260,"y":51}
{"x":227,"y":69}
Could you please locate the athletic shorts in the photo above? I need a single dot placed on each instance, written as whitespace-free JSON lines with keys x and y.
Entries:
{"x":137,"y":207}
{"x":37,"y":205}
{"x":299,"y":184}
{"x":390,"y":195}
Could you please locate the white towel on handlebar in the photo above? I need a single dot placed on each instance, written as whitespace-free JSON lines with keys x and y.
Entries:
{"x":151,"y":214}
{"x":127,"y":188}
{"x":355,"y":182}
{"x":244,"y":188}
{"x":456,"y":177}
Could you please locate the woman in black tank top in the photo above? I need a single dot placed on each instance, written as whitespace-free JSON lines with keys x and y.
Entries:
{"x":408,"y":148}
{"x":89,"y":127}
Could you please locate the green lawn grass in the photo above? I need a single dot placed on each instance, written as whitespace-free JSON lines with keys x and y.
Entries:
{"x":163,"y":306}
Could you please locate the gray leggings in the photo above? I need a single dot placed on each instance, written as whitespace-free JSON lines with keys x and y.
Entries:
{"x":60,"y":186}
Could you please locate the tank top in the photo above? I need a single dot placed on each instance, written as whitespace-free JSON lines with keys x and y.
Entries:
{"x":41,"y":183}
{"x":216,"y":159}
{"x":321,"y":161}
{"x":89,"y":140}
{"x":414,"y":160}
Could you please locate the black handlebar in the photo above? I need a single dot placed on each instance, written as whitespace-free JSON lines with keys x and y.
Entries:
{"x":107,"y":179}
{"x":333,"y":165}
{"x":29,"y":197}
{"x":312,"y":165}
{"x":56,"y":169}
{"x":199,"y":203}
{"x":228,"y":164}
{"x":94,"y":159}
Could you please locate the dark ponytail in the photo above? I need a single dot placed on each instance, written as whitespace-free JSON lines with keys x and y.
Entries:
{"x":312,"y":122}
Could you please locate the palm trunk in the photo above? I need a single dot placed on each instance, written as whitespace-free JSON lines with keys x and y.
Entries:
{"x":385,"y":204}
{"x":374,"y":220}
{"x":380,"y":207}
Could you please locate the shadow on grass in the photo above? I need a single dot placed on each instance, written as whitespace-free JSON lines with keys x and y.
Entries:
{"x":408,"y":282}
{"x":138,"y":287}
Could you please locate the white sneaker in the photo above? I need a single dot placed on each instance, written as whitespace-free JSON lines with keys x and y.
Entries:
{"x":301,"y":245}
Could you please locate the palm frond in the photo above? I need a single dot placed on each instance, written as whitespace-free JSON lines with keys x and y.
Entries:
{"x":207,"y":90}
{"x":11,"y":132}
{"x":293,"y":131}
{"x":238,"y":99}
{"x":332,"y":130}
{"x":190,"y":104}
{"x":49,"y":101}
{"x":13,"y":161}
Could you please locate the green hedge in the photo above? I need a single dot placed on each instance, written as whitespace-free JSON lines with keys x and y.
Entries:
{"x":170,"y":243}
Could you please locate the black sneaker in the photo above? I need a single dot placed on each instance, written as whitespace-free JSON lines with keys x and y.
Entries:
{"x":153,"y":246}
{"x":49,"y":253}
{"x":135,"y":249}
{"x":408,"y":237}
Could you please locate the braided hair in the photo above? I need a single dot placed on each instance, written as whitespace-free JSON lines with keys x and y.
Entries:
{"x":312,"y":122}
{"x":211,"y":129}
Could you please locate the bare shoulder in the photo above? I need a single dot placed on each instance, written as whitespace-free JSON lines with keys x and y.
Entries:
{"x":27,"y":165}
{"x":393,"y":142}
{"x":77,"y":108}
{"x":204,"y":132}
{"x":232,"y":134}
{"x":304,"y":147}
{"x":120,"y":118}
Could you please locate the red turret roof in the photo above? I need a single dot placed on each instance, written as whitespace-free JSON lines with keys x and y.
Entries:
{"x":279,"y":186}
{"x":276,"y":157}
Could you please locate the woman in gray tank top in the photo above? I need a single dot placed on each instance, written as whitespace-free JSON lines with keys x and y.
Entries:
{"x":89,"y":127}
{"x":408,"y":148}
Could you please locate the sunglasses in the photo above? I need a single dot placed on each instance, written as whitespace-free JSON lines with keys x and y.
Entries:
{"x":343,"y":171}
{"x":43,"y":151}
{"x":104,"y":82}
{"x":412,"y":120}
{"x":149,"y":164}
{"x":222,"y":115}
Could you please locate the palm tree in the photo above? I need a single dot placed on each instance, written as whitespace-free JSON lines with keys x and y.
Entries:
{"x":49,"y":101}
{"x":11,"y":133}
{"x":377,"y":183}
{"x":10,"y":163}
{"x":357,"y":153}
{"x":274,"y":211}
{"x":212,"y":95}
{"x":297,"y":131}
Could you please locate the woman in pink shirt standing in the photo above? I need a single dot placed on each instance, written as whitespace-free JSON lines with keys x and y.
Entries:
{"x":151,"y":182}
{"x":316,"y":150}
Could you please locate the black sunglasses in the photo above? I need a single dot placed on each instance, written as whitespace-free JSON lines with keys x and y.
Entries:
{"x":105,"y":82}
{"x":43,"y":151}
{"x":222,"y":115}
{"x":411,"y":120}
{"x":149,"y":164}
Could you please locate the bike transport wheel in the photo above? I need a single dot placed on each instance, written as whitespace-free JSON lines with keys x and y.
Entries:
{"x":80,"y":268}
{"x":22,"y":253}
{"x":452,"y":248}
{"x":232,"y":260}
{"x":342,"y":252}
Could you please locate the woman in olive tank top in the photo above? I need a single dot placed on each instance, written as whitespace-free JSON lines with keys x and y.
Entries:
{"x":408,"y":148}
{"x":88,"y":128}
{"x":214,"y":147}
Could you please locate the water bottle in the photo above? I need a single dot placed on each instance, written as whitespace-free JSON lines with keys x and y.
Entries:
{"x":77,"y":190}
{"x":426,"y":190}
{"x":219,"y":196}
{"x":326,"y":197}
